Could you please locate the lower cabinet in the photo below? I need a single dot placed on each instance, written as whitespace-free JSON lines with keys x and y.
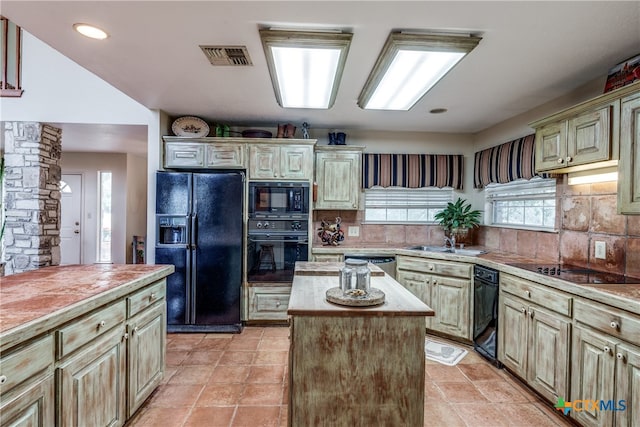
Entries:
{"x":445,"y":286}
{"x":31,"y":406}
{"x":269,"y":302}
{"x":91,"y":383}
{"x":606,"y":369}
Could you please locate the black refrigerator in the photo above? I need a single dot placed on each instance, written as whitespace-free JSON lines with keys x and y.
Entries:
{"x":199,"y":230}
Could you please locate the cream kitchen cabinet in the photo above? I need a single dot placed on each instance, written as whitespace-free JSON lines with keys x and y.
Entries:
{"x":338,"y":170}
{"x":581,"y":139}
{"x":27,"y":385}
{"x":270,"y":161}
{"x":606,"y":364}
{"x":183,"y":155}
{"x":327,"y":257}
{"x":201,"y":154}
{"x":534,"y":335}
{"x":269,"y":303}
{"x":445,"y":286}
{"x":629,"y":165}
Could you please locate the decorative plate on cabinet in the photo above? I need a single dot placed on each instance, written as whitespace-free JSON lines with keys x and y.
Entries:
{"x":190,"y":126}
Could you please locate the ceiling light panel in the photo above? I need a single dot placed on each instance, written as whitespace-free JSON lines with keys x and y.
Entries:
{"x":90,"y":31}
{"x":409,"y":65}
{"x":305,"y":67}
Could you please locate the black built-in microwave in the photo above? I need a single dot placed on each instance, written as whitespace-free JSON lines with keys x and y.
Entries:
{"x":278,"y":199}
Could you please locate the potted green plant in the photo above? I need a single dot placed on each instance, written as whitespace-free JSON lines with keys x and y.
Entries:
{"x":458,"y":218}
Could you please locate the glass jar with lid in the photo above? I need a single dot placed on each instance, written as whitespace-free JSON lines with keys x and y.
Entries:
{"x":355,"y":275}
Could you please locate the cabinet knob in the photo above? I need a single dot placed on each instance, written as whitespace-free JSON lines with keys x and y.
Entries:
{"x":101,"y":324}
{"x":527,"y":294}
{"x":560,"y":160}
{"x":3,"y":379}
{"x":614,"y":325}
{"x":431,"y":267}
{"x":435,"y":282}
{"x":354,"y":205}
{"x":524,"y":311}
{"x":277,"y":303}
{"x":135,"y":330}
{"x":152,"y":296}
{"x":569,"y":159}
{"x":125,"y":336}
{"x":621,"y":357}
{"x":531,"y":313}
{"x":607,"y":350}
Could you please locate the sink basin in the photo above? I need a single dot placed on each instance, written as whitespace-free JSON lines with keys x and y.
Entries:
{"x":431,"y":248}
{"x":469,"y":252}
{"x":445,"y":249}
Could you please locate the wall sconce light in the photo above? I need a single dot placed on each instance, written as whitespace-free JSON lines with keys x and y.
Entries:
{"x":409,"y":65}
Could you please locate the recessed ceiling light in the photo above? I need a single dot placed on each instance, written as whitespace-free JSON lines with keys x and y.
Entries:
{"x":90,"y":31}
{"x":438,"y":110}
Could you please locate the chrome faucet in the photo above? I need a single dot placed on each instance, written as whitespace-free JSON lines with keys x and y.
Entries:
{"x":451,"y":241}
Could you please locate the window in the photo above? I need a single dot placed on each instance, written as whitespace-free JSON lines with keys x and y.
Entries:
{"x":10,"y":57}
{"x":104,"y":225}
{"x":523,"y":204}
{"x":405,"y":205}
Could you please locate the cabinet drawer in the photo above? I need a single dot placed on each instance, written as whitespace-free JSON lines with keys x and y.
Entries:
{"x":184,"y":155}
{"x":145,"y":298}
{"x":20,"y":365}
{"x":538,"y":294}
{"x":269,"y":303}
{"x":446,"y":268}
{"x":88,"y":327}
{"x":609,"y":320}
{"x":227,"y":156}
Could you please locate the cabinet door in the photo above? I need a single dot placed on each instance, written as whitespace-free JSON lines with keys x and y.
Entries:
{"x":551,"y":146}
{"x":91,"y":384}
{"x":548,"y":354}
{"x":419,"y":285}
{"x":512,"y":334}
{"x":146,"y":354}
{"x":592,"y":374}
{"x":450,"y":299}
{"x":589,"y":137}
{"x":181,"y":155}
{"x":338,"y":178}
{"x":225,"y":156}
{"x":296,"y":162}
{"x":33,"y":407}
{"x":264,"y":162}
{"x":627,"y":385}
{"x":629,"y":164}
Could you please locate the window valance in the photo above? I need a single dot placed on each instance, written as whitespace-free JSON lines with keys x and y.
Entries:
{"x":505,"y":163}
{"x":412,"y":170}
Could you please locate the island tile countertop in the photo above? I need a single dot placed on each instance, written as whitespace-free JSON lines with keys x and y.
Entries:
{"x":308,"y":296}
{"x":30,"y":302}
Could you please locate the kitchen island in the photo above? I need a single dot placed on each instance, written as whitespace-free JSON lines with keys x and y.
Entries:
{"x":355,"y":366}
{"x":81,"y":344}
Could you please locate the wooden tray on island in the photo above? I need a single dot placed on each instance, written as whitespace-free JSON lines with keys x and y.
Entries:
{"x":373,"y":297}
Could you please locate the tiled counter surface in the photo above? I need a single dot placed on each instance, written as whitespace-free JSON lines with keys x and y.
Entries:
{"x":623,"y":296}
{"x":34,"y":302}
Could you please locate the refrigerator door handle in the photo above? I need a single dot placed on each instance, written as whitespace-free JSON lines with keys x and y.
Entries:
{"x":192,"y":288}
{"x":194,"y":231}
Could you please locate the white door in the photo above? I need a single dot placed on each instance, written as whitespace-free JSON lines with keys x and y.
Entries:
{"x":71,"y":215}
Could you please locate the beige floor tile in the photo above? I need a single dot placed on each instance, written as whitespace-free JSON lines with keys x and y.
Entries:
{"x":211,"y":416}
{"x":218,"y":394}
{"x":481,"y":414}
{"x":441,"y":414}
{"x":500,"y":391}
{"x":257,"y":416}
{"x":236,"y":357}
{"x":461,"y":392}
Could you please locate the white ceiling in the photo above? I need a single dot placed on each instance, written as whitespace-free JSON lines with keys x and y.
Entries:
{"x":531,"y":53}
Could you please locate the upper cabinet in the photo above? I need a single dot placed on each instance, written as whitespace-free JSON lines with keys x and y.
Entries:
{"x":277,"y":161}
{"x":582,"y":137}
{"x":206,"y":153}
{"x":629,"y":166}
{"x":338,"y":176}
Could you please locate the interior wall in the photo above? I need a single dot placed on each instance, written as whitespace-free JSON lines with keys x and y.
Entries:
{"x":136,"y":201}
{"x":88,"y":164}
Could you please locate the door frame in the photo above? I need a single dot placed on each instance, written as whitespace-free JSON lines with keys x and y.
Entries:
{"x":82,"y":210}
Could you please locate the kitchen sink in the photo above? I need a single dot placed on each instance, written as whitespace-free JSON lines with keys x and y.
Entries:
{"x":446,"y":249}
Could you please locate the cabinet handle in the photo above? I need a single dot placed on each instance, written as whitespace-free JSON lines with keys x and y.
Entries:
{"x":354,"y":205}
{"x":3,"y":379}
{"x":277,"y":303}
{"x":435,"y":282}
{"x":569,"y":159}
{"x":431,"y":267}
{"x":152,"y":296}
{"x":135,"y":330}
{"x":125,"y":336}
{"x":101,"y":324}
{"x":621,"y":357}
{"x":560,"y":160}
{"x":528,"y":294}
{"x":524,"y":311}
{"x":607,"y":350}
{"x":531,"y":313}
{"x":614,"y":325}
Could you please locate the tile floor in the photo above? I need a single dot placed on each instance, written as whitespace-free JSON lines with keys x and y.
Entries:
{"x":240,"y":380}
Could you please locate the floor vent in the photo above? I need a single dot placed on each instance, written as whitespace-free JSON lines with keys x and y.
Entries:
{"x":227,"y":55}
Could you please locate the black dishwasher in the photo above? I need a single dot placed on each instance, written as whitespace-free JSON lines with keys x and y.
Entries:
{"x":485,"y":313}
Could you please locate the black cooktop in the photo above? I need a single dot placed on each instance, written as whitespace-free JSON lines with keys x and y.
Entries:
{"x":577,"y":274}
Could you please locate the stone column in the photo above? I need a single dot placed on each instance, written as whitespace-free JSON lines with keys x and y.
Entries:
{"x":32,"y":189}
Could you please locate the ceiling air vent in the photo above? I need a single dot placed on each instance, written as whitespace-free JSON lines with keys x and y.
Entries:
{"x":227,"y":55}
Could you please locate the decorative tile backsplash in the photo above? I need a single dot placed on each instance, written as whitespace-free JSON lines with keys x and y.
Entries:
{"x":587,"y":213}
